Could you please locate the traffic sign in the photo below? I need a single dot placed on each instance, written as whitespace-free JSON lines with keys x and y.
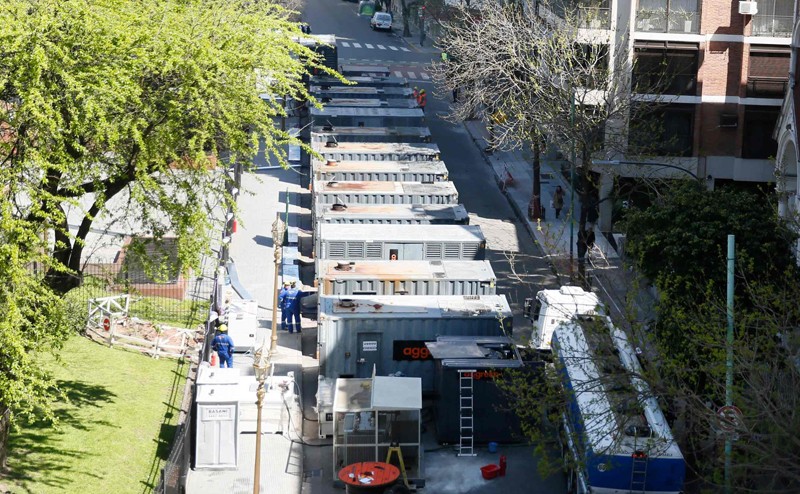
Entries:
{"x":106,"y":323}
{"x":730,"y":418}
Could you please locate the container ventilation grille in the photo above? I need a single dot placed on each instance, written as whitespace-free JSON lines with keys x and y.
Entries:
{"x":336,"y":250}
{"x":452,"y":251}
{"x":470,"y":251}
{"x":374,"y":251}
{"x":433,"y":251}
{"x":355,"y":250}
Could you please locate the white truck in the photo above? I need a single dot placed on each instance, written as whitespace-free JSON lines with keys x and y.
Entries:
{"x":553,"y":307}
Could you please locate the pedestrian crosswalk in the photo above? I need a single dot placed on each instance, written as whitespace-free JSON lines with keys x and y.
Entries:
{"x":353,"y":44}
{"x":413,"y":71}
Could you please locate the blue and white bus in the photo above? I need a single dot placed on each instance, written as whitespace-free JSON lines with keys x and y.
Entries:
{"x":615,"y":437}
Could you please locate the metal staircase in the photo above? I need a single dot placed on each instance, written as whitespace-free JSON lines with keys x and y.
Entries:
{"x":466,"y":442}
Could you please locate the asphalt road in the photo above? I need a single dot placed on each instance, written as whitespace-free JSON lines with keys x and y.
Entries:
{"x":518,"y":262}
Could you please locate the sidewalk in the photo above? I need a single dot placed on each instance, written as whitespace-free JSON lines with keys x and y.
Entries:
{"x":265,"y":194}
{"x":604,"y":268}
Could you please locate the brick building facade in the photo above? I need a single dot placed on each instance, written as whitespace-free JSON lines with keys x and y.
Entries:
{"x":728,"y":73}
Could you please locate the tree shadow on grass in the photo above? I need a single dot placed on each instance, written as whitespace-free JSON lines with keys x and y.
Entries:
{"x":37,"y":458}
{"x":166,"y":434}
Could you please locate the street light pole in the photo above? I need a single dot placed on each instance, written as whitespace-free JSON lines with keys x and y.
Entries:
{"x":263,"y":357}
{"x":729,"y":358}
{"x":278,"y":231}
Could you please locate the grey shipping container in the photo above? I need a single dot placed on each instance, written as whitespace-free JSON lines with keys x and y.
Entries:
{"x":325,"y":134}
{"x":406,"y":278}
{"x":349,"y":116}
{"x":389,"y":333}
{"x":490,"y":359}
{"x":332,"y":192}
{"x":403,"y":242}
{"x":370,"y":102}
{"x":362,"y":92}
{"x":325,"y":45}
{"x":380,"y":171}
{"x":378,"y":151}
{"x":364,"y":70}
{"x":327,"y":81}
{"x":392,"y":214}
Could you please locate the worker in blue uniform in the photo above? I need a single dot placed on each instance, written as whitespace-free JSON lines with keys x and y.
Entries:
{"x":285,"y":314}
{"x":289,"y":301}
{"x":223,"y":345}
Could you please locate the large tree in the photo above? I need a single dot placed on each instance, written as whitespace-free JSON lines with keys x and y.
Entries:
{"x":143,"y":102}
{"x":122,"y":110}
{"x":538,"y":75}
{"x":679,"y":242}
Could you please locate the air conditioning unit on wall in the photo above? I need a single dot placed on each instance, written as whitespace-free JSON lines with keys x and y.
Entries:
{"x":748,"y":8}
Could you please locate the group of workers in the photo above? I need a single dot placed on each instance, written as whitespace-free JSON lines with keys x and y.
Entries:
{"x":289,"y":303}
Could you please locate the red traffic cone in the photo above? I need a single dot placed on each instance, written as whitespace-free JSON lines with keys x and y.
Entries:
{"x":213,"y":359}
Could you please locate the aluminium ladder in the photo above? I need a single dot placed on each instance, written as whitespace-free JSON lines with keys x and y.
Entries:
{"x":639,"y":462}
{"x":466,"y":419}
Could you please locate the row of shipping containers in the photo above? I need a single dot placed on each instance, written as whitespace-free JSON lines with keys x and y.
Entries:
{"x":385,"y":293}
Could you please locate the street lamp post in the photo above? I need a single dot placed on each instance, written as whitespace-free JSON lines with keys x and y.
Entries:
{"x":278,"y":232}
{"x":263,"y":357}
{"x":261,"y":365}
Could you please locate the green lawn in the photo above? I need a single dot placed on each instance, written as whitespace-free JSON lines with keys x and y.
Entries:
{"x":114,"y":433}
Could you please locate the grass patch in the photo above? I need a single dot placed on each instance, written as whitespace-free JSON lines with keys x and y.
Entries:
{"x":114,"y":432}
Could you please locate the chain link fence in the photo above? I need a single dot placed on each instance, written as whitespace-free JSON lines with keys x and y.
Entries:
{"x":173,"y":475}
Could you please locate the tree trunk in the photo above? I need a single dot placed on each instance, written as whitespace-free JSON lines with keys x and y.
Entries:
{"x":535,"y":207}
{"x":70,"y":257}
{"x":405,"y":8}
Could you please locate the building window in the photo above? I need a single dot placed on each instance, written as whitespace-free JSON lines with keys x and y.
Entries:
{"x":591,"y":14}
{"x":668,"y":16}
{"x":774,"y":18}
{"x":664,"y":131}
{"x":757,"y":141}
{"x":768,"y":73}
{"x":665,"y":71}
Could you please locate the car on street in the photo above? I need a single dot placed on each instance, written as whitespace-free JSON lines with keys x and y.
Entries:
{"x":381,"y":20}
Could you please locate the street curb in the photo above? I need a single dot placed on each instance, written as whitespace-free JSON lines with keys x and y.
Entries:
{"x":520,"y":214}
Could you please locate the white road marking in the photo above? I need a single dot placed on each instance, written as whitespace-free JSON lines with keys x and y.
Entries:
{"x":398,"y":73}
{"x":393,"y":48}
{"x":369,"y":46}
{"x":345,"y":44}
{"x":404,"y":49}
{"x":412,"y":75}
{"x":381,"y":47}
{"x":356,"y":45}
{"x":424,"y":75}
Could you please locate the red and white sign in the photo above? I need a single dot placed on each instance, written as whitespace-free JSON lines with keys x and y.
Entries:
{"x":730,"y":418}
{"x":106,"y":324}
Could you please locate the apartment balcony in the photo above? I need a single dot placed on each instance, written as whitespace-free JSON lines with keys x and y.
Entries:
{"x":779,"y":26}
{"x":667,"y":21}
{"x":766,"y":87}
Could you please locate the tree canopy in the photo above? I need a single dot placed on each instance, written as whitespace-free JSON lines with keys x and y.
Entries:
{"x":680,"y":244}
{"x":121,"y":110}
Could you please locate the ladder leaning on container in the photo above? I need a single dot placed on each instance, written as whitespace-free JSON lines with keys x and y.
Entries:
{"x":640,"y":461}
{"x":466,"y":441}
